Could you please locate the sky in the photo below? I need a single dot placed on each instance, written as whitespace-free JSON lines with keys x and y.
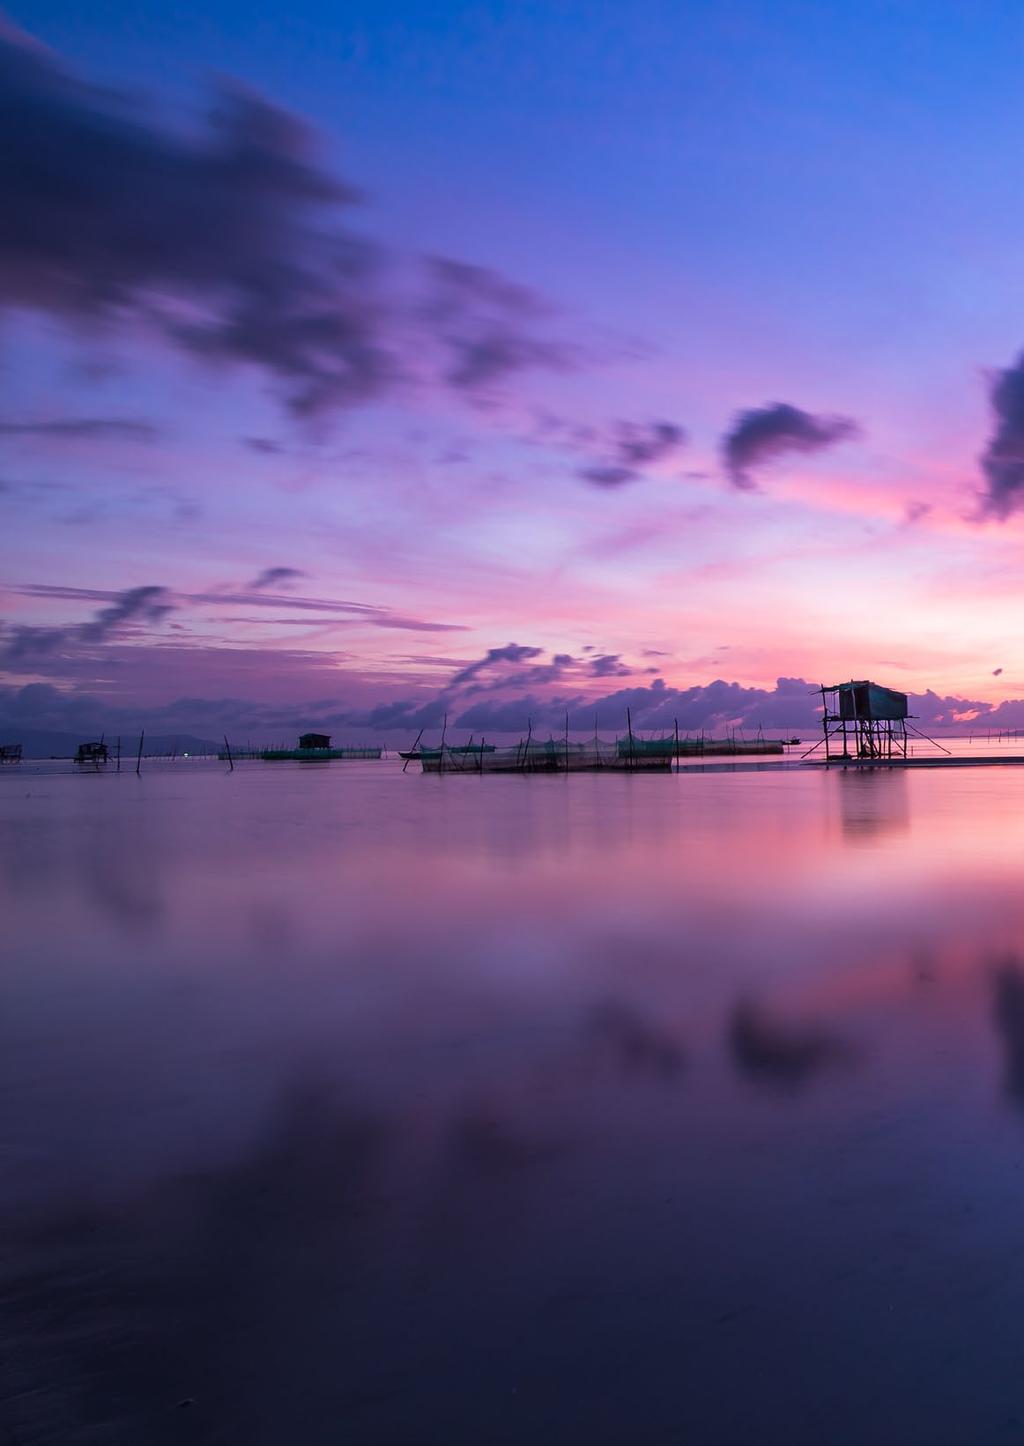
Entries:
{"x":362,"y":363}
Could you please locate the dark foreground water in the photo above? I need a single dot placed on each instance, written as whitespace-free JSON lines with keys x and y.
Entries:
{"x":338,"y":1106}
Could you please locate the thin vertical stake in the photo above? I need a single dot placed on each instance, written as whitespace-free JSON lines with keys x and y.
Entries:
{"x":419,"y":735}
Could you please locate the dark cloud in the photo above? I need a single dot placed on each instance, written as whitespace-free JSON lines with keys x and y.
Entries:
{"x":1002,"y":461}
{"x":915,"y":511}
{"x":231,"y":242}
{"x":634,"y":446}
{"x":996,"y":672}
{"x":478,"y":315}
{"x":274,"y":575}
{"x":608,"y":665}
{"x":500,"y":668}
{"x":76,"y":428}
{"x":22,"y":644}
{"x":513,"y":653}
{"x":761,"y":434}
{"x":608,"y":474}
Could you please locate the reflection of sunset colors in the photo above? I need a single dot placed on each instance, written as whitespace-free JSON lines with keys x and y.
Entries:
{"x":680,"y":350}
{"x":610,"y":1078}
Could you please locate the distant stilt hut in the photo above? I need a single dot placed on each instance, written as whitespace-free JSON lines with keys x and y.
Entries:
{"x":316,"y":748}
{"x":92,"y":755}
{"x":10,"y":752}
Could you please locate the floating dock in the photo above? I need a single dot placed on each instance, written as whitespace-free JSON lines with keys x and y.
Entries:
{"x":303,"y":755}
{"x":553,"y":756}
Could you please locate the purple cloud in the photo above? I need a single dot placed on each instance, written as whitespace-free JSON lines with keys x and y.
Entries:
{"x":77,"y":428}
{"x":633,"y":447}
{"x":354,"y":612}
{"x":272,"y":576}
{"x":513,"y":653}
{"x":478,"y":317}
{"x":232,"y":244}
{"x":1002,"y":461}
{"x":761,"y":434}
{"x":21,"y":644}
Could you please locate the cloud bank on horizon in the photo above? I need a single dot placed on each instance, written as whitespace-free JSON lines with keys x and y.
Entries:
{"x":713,"y":707}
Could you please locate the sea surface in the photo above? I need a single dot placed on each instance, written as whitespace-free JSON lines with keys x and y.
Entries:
{"x":342,"y":1105}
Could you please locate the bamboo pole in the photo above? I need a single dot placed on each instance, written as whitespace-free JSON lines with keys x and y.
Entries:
{"x":419,"y":735}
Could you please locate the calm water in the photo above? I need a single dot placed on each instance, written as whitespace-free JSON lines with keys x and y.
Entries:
{"x":341,"y":1106}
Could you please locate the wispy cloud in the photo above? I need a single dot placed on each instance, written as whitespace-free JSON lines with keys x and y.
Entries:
{"x":368,"y":613}
{"x":633,"y":448}
{"x":78,"y":428}
{"x":21,"y":644}
{"x":274,"y":576}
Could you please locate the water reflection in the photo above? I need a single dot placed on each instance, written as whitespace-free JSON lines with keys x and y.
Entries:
{"x":1009,"y":1018}
{"x":873,"y":801}
{"x":635,"y":1043}
{"x":772,"y":1051}
{"x":383,"y":1113}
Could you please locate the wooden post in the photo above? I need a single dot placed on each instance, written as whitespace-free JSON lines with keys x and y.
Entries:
{"x":529,"y":736}
{"x":119,"y":755}
{"x":138,"y":761}
{"x":231,"y":761}
{"x":444,"y":730}
{"x":676,"y":722}
{"x":567,"y":740}
{"x":629,"y":726}
{"x":419,"y":735}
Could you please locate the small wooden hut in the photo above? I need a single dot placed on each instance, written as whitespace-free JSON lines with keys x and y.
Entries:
{"x":863,"y":720}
